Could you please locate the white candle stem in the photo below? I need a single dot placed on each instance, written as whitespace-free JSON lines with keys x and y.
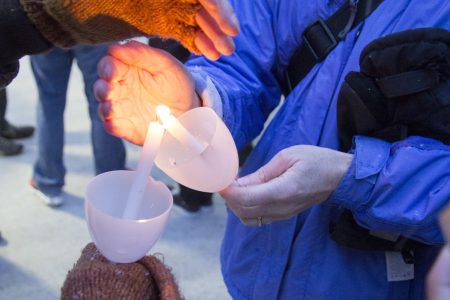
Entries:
{"x":178,"y":131}
{"x":151,"y":146}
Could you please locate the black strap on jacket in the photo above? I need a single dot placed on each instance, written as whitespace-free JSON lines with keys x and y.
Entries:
{"x":321,"y":37}
{"x":346,"y":232}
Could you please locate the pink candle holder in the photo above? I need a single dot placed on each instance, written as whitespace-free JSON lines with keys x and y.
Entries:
{"x":210,"y":171}
{"x":118,"y":239}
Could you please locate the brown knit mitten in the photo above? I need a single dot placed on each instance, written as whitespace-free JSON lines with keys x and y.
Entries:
{"x":94,"y":277}
{"x":68,"y":22}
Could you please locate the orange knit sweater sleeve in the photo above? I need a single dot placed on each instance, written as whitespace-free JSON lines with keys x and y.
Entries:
{"x":68,"y":22}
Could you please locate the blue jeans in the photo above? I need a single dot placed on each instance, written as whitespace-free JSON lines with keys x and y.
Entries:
{"x":51,"y":71}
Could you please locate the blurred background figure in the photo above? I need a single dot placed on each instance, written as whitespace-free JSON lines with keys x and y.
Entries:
{"x":8,"y":132}
{"x":52,"y":71}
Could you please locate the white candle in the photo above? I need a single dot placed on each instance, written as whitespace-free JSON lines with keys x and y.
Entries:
{"x":149,"y":151}
{"x":177,"y":130}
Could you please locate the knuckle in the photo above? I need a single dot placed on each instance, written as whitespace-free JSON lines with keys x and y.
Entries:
{"x":284,"y":155}
{"x":261,"y":174}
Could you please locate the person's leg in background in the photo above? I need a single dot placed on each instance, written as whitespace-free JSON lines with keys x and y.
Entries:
{"x":8,"y":130}
{"x":109,"y":151}
{"x":7,"y":147}
{"x":51,"y":72}
{"x":192,"y":201}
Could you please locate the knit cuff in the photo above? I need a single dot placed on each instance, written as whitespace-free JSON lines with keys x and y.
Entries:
{"x":205,"y":87}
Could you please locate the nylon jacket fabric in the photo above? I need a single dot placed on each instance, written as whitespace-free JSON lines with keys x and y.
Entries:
{"x":397,"y":187}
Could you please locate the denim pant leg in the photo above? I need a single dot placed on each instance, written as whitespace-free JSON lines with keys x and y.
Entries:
{"x":51,"y":72}
{"x":109,"y":151}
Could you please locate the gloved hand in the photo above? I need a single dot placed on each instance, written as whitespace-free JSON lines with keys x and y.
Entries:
{"x":94,"y":277}
{"x":297,"y":178}
{"x":67,"y":22}
{"x":134,"y":79}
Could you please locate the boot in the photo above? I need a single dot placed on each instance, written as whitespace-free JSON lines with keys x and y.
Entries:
{"x":10,"y":131}
{"x":8,"y":148}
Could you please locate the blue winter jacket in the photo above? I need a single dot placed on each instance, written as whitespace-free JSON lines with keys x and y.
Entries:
{"x":396,"y":188}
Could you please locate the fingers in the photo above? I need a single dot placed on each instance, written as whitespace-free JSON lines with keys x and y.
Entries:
{"x":263,"y":193}
{"x":103,"y":90}
{"x":210,"y":28}
{"x":111,"y":69}
{"x":274,"y":168}
{"x":206,"y":46}
{"x":142,"y":56}
{"x":217,"y":22}
{"x":223,"y":15}
{"x":257,"y":195}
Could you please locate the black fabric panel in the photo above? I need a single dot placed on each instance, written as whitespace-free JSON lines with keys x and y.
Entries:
{"x":18,"y":36}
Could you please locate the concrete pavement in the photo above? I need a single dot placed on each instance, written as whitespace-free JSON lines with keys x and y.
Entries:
{"x":41,"y":244}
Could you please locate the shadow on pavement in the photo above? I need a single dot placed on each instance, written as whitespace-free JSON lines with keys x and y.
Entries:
{"x":16,"y":283}
{"x":73,"y":205}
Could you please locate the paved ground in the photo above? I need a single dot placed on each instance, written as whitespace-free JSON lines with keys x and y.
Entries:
{"x":41,"y":244}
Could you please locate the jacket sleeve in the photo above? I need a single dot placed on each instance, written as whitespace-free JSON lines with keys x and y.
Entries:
{"x":397,"y":188}
{"x":245,"y":82}
{"x":18,"y":37}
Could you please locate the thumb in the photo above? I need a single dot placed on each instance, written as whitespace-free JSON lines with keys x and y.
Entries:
{"x":254,"y":195}
{"x":274,"y":168}
{"x":142,"y":56}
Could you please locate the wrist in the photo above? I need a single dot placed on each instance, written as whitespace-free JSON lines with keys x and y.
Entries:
{"x":341,"y":168}
{"x":345,"y":162}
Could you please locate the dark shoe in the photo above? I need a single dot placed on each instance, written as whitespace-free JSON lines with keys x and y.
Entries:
{"x":206,"y":205}
{"x":184,"y":206}
{"x":9,"y":148}
{"x":10,"y":131}
{"x":193,"y":206}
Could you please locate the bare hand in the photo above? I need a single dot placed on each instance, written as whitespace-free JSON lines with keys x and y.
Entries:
{"x":217,"y":22}
{"x":294,"y":180}
{"x":134,"y":79}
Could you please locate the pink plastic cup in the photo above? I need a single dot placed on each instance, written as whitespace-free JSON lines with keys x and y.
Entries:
{"x":124,"y":240}
{"x":211,"y":171}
